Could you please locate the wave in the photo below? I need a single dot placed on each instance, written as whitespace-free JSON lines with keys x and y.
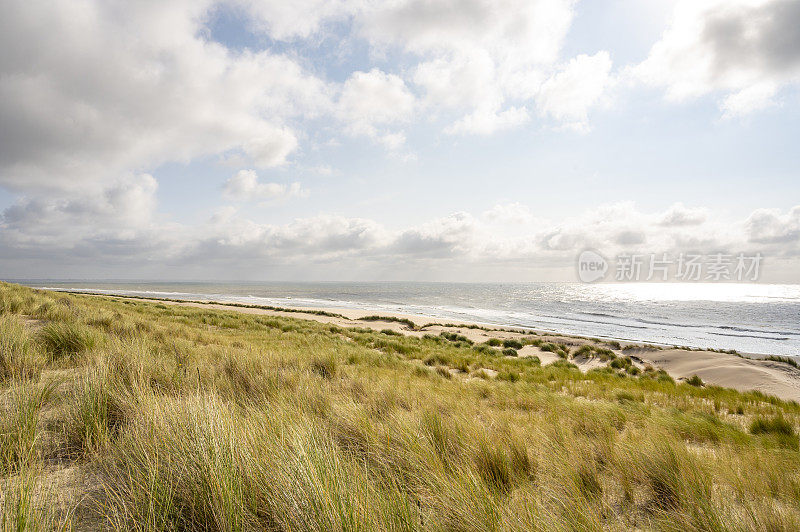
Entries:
{"x":751,"y":336}
{"x":695,"y":326}
{"x":643,"y":322}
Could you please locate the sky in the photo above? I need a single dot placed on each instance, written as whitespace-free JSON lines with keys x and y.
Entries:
{"x":436,"y":140}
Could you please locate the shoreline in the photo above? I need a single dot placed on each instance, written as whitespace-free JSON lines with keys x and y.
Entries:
{"x":743,"y":372}
{"x":355,"y":313}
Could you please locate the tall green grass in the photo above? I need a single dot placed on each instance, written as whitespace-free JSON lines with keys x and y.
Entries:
{"x":62,"y":340}
{"x":192,"y":419}
{"x":19,"y":356}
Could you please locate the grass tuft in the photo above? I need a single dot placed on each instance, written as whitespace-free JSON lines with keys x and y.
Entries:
{"x":695,"y":381}
{"x":64,"y":340}
{"x":494,"y":467}
{"x":325,"y":366}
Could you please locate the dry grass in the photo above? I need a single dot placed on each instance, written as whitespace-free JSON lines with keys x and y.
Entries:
{"x":192,"y":419}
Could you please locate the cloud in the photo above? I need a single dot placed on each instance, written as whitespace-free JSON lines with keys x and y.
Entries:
{"x":89,"y":230}
{"x":444,"y":237}
{"x":748,"y":100}
{"x":481,"y":62}
{"x":298,"y":19}
{"x":528,"y":31}
{"x":509,"y":213}
{"x":680,"y":215}
{"x":92,"y":90}
{"x":244,"y":185}
{"x":486,"y":121}
{"x":373,"y":101}
{"x":771,"y":226}
{"x":124,"y":211}
{"x":568,"y":95}
{"x":746,"y":50}
{"x":472,"y":74}
{"x":272,"y":149}
{"x":630,"y":238}
{"x":316,"y":238}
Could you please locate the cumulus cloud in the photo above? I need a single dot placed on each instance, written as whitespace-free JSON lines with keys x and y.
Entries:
{"x":244,"y":185}
{"x":630,"y":238}
{"x":680,"y":215}
{"x":296,"y":19}
{"x":530,"y":31}
{"x":472,"y":74}
{"x":568,"y":95}
{"x":373,"y":101}
{"x":771,"y":226}
{"x":316,"y":239}
{"x":272,"y":149}
{"x":513,"y":213}
{"x":750,"y":99}
{"x":444,"y":237}
{"x":92,"y":90}
{"x":486,"y":61}
{"x":744,"y":49}
{"x":124,"y":211}
{"x":488,"y":120}
{"x":95,"y":90}
{"x":92,"y":229}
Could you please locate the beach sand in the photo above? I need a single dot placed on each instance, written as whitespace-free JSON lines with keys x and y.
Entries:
{"x":741,"y":372}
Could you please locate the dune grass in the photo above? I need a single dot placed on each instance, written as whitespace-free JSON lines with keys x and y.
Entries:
{"x":61,"y":339}
{"x":180,"y":418}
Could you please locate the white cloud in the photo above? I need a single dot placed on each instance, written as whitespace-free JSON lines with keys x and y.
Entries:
{"x":272,"y":149}
{"x":568,"y":95}
{"x":745,"y":49}
{"x":748,"y":100}
{"x":89,"y":229}
{"x":681,"y":215}
{"x":481,"y":60}
{"x":91,"y":90}
{"x":486,"y":121}
{"x":525,"y":31}
{"x":444,"y":237}
{"x":373,"y":101}
{"x":771,"y":226}
{"x":458,"y":81}
{"x":296,"y":19}
{"x":123,"y":211}
{"x":513,"y":213}
{"x":244,"y":185}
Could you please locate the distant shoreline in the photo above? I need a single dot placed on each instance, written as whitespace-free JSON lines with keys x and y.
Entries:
{"x":356,"y":313}
{"x":727,"y":369}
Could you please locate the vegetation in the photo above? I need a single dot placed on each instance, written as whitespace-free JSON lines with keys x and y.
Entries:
{"x":125,"y":414}
{"x":513,"y":344}
{"x":405,"y":321}
{"x":694,"y":380}
{"x":784,"y":360}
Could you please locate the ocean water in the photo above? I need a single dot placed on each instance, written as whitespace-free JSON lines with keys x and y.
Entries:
{"x":751,"y":318}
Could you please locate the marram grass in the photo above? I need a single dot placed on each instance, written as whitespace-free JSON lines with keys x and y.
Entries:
{"x":126,"y":415}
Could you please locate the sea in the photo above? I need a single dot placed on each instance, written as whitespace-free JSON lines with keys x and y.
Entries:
{"x":761,"y":319}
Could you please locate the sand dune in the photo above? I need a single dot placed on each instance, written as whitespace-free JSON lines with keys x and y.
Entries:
{"x":731,"y":371}
{"x":721,"y":369}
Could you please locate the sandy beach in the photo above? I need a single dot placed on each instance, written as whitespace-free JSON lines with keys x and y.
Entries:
{"x":742,"y":372}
